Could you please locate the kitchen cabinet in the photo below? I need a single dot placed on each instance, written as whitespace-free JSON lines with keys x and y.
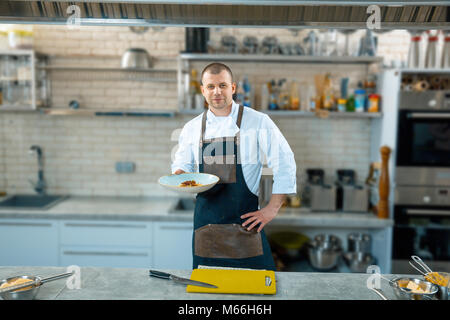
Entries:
{"x":23,"y":82}
{"x":123,"y":244}
{"x":172,"y":245}
{"x":28,"y":241}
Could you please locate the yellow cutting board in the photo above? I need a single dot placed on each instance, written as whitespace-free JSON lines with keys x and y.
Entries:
{"x":234,"y":281}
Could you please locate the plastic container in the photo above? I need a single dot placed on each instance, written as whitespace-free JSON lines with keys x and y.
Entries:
{"x":295,"y":99}
{"x":341,"y":107}
{"x":360,"y":98}
{"x":374,"y":103}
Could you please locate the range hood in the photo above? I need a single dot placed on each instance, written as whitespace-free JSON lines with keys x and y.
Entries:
{"x":407,"y":14}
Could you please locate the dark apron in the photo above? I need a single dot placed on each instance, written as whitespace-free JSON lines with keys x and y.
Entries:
{"x":219,"y":238}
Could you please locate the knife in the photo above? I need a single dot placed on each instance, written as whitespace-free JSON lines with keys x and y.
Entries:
{"x":168,"y":276}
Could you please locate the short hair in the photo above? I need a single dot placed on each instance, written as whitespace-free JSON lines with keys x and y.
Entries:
{"x":216,"y":68}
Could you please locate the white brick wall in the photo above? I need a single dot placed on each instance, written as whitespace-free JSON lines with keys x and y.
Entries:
{"x":80,"y":152}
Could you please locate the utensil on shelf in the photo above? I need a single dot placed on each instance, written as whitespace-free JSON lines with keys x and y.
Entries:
{"x":168,"y":276}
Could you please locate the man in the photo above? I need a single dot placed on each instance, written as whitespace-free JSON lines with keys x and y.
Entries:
{"x":227,"y":140}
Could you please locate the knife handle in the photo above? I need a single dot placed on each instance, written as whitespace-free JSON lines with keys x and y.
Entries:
{"x":159,"y":274}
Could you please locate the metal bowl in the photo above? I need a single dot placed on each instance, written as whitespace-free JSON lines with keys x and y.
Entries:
{"x":359,"y":261}
{"x":323,"y":259}
{"x":136,"y":58}
{"x":409,"y":295}
{"x":27,"y":294}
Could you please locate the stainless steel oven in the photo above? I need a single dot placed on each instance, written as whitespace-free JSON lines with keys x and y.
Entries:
{"x":422,"y":181}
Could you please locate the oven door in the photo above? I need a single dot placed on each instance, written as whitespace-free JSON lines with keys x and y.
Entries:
{"x":423,"y":139}
{"x":423,"y":231}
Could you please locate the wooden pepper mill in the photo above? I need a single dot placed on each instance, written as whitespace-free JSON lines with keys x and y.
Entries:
{"x":383,"y":203}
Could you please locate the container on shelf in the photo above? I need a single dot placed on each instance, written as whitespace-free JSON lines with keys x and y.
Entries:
{"x":20,"y":37}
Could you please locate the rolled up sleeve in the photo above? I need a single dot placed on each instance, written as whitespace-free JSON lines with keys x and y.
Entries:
{"x":184,"y":157}
{"x":280,"y":157}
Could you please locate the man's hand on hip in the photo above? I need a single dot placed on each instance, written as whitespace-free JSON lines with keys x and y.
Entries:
{"x":266,"y":214}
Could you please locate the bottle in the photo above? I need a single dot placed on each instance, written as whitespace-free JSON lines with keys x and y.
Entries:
{"x":273,"y":101}
{"x":265,"y":95}
{"x":311,"y":98}
{"x":431,"y":53}
{"x":445,"y":63}
{"x":240,"y":93}
{"x":414,"y":51}
{"x":247,"y":93}
{"x":327,"y":98}
{"x":360,"y":98}
{"x":294,"y":96}
{"x":194,"y":89}
{"x":283,"y":99}
{"x":374,"y":103}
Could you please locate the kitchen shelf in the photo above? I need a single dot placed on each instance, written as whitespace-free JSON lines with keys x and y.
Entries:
{"x":305,"y":114}
{"x":107,"y":112}
{"x":137,"y":74}
{"x":280,"y":58}
{"x":423,"y":70}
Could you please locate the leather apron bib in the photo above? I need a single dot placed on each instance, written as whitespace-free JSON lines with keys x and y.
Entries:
{"x":219,"y":238}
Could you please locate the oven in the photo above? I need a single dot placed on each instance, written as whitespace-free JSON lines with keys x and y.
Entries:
{"x":422,"y":181}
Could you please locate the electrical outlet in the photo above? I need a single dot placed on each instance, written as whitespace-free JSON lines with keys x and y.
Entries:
{"x":125,"y":167}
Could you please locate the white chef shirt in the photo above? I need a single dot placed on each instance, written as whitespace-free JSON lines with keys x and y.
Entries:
{"x":259,"y":138}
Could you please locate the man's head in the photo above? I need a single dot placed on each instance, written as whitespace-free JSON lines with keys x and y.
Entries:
{"x":217,"y":85}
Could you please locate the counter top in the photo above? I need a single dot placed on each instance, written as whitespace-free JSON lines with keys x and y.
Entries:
{"x":161,"y":209}
{"x":118,"y":283}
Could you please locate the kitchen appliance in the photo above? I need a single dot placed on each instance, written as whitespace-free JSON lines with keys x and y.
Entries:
{"x":321,"y":196}
{"x":136,"y":58}
{"x":351,"y":196}
{"x":168,"y":276}
{"x":234,"y":281}
{"x":422,"y":180}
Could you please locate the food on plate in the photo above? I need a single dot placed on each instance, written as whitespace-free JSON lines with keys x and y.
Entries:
{"x":190,"y":183}
{"x":436,"y":278}
{"x":15,"y":282}
{"x":415,"y":288}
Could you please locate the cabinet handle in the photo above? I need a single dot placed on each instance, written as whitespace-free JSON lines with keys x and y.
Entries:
{"x":102,"y":253}
{"x":105,"y":225}
{"x":25,"y":224}
{"x":428,"y":212}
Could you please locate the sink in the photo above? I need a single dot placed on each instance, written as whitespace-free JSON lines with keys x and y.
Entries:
{"x":32,"y":201}
{"x":184,"y":205}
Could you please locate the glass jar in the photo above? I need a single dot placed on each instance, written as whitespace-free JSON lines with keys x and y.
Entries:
{"x":341,"y":107}
{"x":374,"y":103}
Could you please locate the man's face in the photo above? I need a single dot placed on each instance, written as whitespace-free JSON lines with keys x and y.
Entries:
{"x":218,"y":89}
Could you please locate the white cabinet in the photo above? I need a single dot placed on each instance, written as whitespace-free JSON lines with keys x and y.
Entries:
{"x":121,"y":244}
{"x":172,"y":245}
{"x":26,"y":242}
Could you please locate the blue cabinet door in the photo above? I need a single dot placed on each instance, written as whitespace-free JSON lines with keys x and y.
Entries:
{"x":172,"y":245}
{"x":25,"y":242}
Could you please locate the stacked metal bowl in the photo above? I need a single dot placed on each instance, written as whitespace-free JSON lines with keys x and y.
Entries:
{"x":324,"y":252}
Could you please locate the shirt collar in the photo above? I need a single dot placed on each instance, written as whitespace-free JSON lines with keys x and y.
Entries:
{"x":210,"y":116}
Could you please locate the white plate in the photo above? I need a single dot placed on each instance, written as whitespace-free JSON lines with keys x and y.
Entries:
{"x":173,"y":181}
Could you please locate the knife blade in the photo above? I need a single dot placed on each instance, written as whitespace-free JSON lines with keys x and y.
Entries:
{"x":168,"y":276}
